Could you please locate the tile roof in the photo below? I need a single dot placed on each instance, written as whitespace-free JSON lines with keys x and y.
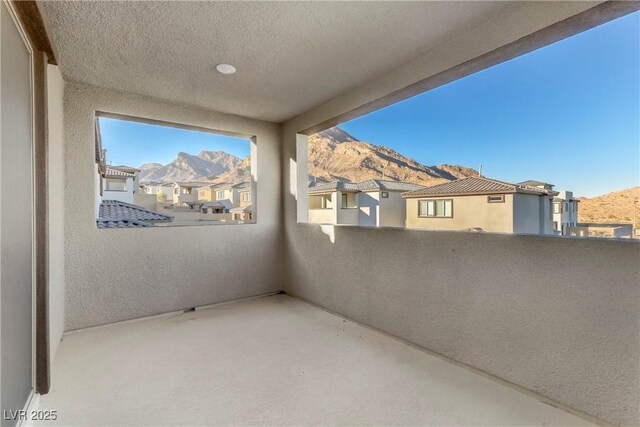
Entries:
{"x":243,"y":186}
{"x":369,"y":185}
{"x":378,"y":184}
{"x":237,"y":185}
{"x":214,"y":204}
{"x":117,"y":214}
{"x":111,"y":171}
{"x":534,"y":183}
{"x":125,"y":168}
{"x":241,"y":209}
{"x":474,"y":185}
{"x":333,"y":186}
{"x":123,"y":223}
{"x":190,"y":184}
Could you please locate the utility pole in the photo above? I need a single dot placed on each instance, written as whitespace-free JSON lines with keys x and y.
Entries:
{"x":480,"y":171}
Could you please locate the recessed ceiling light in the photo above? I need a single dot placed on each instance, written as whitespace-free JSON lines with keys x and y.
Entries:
{"x":226,"y":68}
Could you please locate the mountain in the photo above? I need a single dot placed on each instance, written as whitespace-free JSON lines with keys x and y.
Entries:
{"x":242,"y":173}
{"x":188,"y":167}
{"x":333,"y":155}
{"x":617,"y":207}
{"x":336,"y":155}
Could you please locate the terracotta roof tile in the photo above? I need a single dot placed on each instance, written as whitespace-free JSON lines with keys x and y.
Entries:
{"x":117,"y":214}
{"x":474,"y":185}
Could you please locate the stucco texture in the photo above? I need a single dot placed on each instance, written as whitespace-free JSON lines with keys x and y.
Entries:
{"x":114,"y":275}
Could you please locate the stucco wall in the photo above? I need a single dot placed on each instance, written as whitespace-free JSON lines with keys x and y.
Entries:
{"x":492,"y":301}
{"x":55,"y":108}
{"x":528,"y":213}
{"x":368,"y":209}
{"x":113,"y":275}
{"x":393,"y":210}
{"x":468,"y":212}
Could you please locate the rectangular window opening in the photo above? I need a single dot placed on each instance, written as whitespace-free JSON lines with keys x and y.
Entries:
{"x":159,"y":175}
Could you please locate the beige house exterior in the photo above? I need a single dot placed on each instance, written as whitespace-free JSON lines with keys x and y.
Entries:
{"x":373,"y":203}
{"x":565,"y":207}
{"x":244,"y":210}
{"x":234,"y":198}
{"x":185,"y":192}
{"x":481,"y":204}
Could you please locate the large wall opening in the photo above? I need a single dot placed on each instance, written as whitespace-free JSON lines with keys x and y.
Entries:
{"x":543,"y":144}
{"x":159,"y":175}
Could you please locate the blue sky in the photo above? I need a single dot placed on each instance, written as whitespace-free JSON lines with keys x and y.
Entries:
{"x":132,"y":143}
{"x":568,"y":114}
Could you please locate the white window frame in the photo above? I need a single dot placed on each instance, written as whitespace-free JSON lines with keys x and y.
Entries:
{"x":432,"y":208}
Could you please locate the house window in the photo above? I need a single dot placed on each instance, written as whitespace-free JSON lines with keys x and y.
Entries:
{"x":435,"y":208}
{"x":348,"y":200}
{"x":116,"y":185}
{"x":219,"y":195}
{"x":246,"y":197}
{"x":557,"y":208}
{"x":385,"y":195}
{"x":495,"y":198}
{"x":176,"y":190}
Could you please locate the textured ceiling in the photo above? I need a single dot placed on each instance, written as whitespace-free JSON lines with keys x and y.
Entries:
{"x":290,"y":56}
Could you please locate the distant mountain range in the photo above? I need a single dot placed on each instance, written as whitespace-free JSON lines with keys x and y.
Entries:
{"x":333,"y":155}
{"x":336,"y":155}
{"x":207,"y":165}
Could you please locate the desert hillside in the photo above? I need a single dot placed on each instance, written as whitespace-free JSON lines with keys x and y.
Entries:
{"x":336,"y":155}
{"x":189,"y":167}
{"x":616,"y":207}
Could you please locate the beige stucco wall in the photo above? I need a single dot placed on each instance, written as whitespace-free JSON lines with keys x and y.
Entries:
{"x":529,"y":214}
{"x":368,"y":208}
{"x":468,"y":212}
{"x":113,"y":275}
{"x":534,"y":310}
{"x":346,"y":215}
{"x":55,"y":123}
{"x":392,"y":210}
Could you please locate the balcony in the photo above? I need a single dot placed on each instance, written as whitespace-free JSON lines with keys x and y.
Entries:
{"x":275,"y":360}
{"x":277,"y":320}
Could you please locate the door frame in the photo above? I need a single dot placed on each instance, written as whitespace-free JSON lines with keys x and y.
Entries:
{"x":25,"y":39}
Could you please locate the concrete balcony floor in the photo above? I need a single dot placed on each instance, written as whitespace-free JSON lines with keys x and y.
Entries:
{"x":272,"y":361}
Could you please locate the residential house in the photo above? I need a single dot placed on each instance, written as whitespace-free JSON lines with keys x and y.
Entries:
{"x":244,"y":210}
{"x":481,"y":204}
{"x":162,"y":190}
{"x":184,"y":193}
{"x":120,"y":183}
{"x":112,"y":182}
{"x":226,"y":193}
{"x":565,"y":207}
{"x":375,"y":202}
